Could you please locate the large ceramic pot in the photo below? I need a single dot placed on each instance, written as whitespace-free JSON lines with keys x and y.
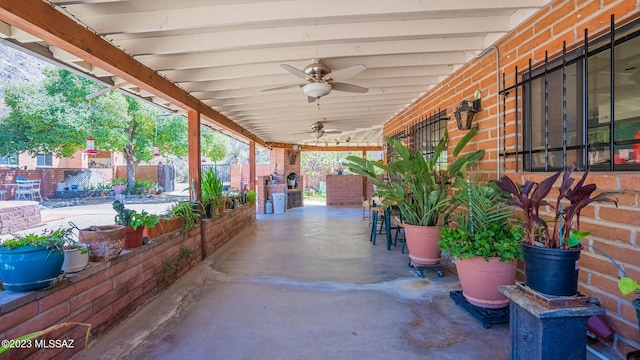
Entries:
{"x":105,"y":242}
{"x":422,"y":242}
{"x":552,"y":271}
{"x":30,"y":268}
{"x":133,"y":238}
{"x":480,"y":280}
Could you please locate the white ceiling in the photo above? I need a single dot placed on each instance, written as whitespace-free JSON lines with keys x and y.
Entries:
{"x":226,"y":52}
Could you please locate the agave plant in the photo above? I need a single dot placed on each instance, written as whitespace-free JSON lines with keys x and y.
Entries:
{"x":566,"y":222}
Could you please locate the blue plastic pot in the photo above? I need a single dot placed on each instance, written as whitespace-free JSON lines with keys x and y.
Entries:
{"x":30,"y":267}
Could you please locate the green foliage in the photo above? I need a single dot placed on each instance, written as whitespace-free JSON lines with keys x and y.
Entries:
{"x":129,"y":217}
{"x":628,"y":285}
{"x":421,"y":186}
{"x":251,"y":197}
{"x":143,"y":186}
{"x":119,"y":181}
{"x":54,"y":239}
{"x":214,"y":146}
{"x":55,"y":117}
{"x":317,"y":164}
{"x":480,"y":226}
{"x":211,"y":188}
{"x":186,"y":210}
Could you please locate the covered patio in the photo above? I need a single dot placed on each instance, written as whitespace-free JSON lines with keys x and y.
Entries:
{"x":309,"y":284}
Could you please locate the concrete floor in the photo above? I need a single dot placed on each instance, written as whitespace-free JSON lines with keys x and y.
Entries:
{"x":305,"y":285}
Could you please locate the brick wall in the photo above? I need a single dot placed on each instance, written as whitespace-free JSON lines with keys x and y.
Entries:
{"x":106,"y":293}
{"x":50,"y":178}
{"x":18,"y":215}
{"x":346,"y":189}
{"x":615,"y":230}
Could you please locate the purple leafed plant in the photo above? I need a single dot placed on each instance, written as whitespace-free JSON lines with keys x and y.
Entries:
{"x":532,"y":196}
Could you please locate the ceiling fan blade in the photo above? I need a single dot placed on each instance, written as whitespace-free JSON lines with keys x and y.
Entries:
{"x":332,"y":132}
{"x":349,"y":87}
{"x":284,"y":87}
{"x":294,"y":71}
{"x":345,"y":73}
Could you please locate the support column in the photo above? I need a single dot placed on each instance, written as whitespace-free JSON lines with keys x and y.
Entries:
{"x":195,"y":193}
{"x":252,"y":165}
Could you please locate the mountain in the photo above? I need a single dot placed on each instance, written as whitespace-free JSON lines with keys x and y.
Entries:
{"x":18,"y":66}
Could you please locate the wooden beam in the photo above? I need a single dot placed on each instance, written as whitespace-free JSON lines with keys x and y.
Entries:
{"x":43,"y":21}
{"x":324,"y":148}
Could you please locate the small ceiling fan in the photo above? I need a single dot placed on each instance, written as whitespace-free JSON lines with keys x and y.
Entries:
{"x":317,"y":130}
{"x":321,"y":79}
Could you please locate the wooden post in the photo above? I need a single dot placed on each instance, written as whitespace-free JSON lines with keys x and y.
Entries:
{"x":252,"y":165}
{"x":195,"y":193}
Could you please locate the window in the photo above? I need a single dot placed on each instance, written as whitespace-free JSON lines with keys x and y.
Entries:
{"x":560,"y":129}
{"x":424,"y":136}
{"x":10,"y":160}
{"x":44,"y":160}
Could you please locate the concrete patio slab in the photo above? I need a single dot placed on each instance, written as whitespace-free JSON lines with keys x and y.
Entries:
{"x":305,"y":285}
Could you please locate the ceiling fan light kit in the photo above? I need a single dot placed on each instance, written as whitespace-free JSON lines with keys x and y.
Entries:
{"x":317,"y":89}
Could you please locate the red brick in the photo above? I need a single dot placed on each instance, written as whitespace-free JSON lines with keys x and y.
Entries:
{"x":90,"y":295}
{"x":18,"y":316}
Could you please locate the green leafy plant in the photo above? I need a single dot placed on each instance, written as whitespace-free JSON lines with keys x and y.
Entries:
{"x":187,"y":211}
{"x":566,"y":229}
{"x":211,"y":188}
{"x":51,"y":239}
{"x":480,"y":227}
{"x":119,"y":181}
{"x":421,"y":184}
{"x":143,"y":186}
{"x":251,"y":197}
{"x":128,"y":217}
{"x":27,"y":338}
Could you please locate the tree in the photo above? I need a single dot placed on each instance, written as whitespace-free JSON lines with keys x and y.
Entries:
{"x":214,"y":145}
{"x":55,"y":117}
{"x":317,"y":164}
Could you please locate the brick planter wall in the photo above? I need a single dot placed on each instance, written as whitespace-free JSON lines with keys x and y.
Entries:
{"x":18,"y":215}
{"x":106,"y":293}
{"x":346,"y":190}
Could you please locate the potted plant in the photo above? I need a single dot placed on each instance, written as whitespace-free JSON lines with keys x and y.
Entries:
{"x":251,"y":197}
{"x":32,"y":261}
{"x":119,"y":185}
{"x":76,"y":254}
{"x":187,"y":211}
{"x":168,"y":223}
{"x":551,"y":254}
{"x":420,"y":188}
{"x":211,"y":193}
{"x":134,"y":223}
{"x":485,"y":246}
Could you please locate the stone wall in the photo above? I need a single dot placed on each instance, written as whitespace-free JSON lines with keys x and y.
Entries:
{"x":106,"y":293}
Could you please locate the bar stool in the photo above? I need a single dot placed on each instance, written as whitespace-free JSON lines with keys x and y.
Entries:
{"x":397,"y":220}
{"x":376,"y":213}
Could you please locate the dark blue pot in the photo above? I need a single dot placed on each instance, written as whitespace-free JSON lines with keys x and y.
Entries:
{"x":30,"y":267}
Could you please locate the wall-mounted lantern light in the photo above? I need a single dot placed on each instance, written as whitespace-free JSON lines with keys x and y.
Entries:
{"x":466,"y":110}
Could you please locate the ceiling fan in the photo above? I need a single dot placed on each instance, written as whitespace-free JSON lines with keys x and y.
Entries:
{"x":321,"y":79}
{"x":317,"y":130}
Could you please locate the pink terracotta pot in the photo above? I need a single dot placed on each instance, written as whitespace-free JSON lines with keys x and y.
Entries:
{"x":480,"y":280}
{"x":422,"y":242}
{"x":133,"y":238}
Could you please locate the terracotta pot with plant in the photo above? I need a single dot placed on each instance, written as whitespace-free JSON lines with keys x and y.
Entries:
{"x":485,"y":246}
{"x":212,"y":197}
{"x":551,"y":254}
{"x":134,"y":222}
{"x":420,"y":188}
